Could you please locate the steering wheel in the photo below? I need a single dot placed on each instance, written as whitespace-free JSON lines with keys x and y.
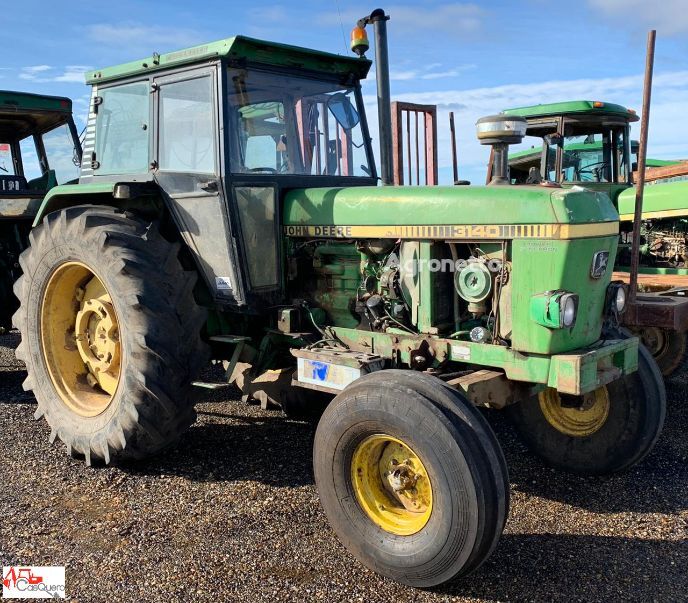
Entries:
{"x":269,"y":170}
{"x":594,"y":172}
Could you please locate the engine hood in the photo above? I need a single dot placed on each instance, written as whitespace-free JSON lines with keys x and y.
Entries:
{"x":662,"y":200}
{"x":448,"y":212}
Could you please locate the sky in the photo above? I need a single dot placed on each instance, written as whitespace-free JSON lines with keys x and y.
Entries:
{"x":472,"y":58}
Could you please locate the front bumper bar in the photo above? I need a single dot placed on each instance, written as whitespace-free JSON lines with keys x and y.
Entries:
{"x":585,"y":370}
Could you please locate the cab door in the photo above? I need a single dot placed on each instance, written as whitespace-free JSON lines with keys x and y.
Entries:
{"x":188,"y":167}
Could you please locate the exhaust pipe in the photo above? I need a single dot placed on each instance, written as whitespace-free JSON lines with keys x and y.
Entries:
{"x":359,"y":44}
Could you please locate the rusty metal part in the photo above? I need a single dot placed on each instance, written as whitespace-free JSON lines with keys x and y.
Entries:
{"x":491,"y":388}
{"x":642,"y":156}
{"x":401,"y":114}
{"x":667,"y":171}
{"x":455,"y":161}
{"x":663,"y":310}
{"x":654,"y":282}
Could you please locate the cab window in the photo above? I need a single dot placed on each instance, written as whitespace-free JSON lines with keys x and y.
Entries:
{"x":61,"y":154}
{"x":122,"y":128}
{"x":187,"y":133}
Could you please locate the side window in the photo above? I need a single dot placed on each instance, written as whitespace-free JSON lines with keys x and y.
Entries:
{"x":59,"y":149}
{"x":257,"y":210}
{"x":187,"y":134}
{"x":122,"y":129}
{"x":29,"y":157}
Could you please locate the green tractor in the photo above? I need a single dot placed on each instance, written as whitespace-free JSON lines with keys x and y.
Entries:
{"x":39,"y":147}
{"x":587,"y":143}
{"x":228,"y":208}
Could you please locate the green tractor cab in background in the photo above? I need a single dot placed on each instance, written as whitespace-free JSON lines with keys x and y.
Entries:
{"x":587,"y":143}
{"x":39,"y":149}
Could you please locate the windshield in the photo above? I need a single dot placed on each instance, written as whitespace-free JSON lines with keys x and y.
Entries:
{"x":285,"y":124}
{"x":594,"y":154}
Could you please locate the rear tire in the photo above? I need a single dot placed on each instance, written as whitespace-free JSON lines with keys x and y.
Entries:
{"x":155,"y":347}
{"x":458,"y":454}
{"x":600,"y":442}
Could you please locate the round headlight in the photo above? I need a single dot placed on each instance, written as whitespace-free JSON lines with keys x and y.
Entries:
{"x":568,"y":312}
{"x":620,"y":299}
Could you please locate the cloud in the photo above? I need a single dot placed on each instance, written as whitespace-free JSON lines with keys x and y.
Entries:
{"x":668,"y":17}
{"x":669,"y":99}
{"x":427,"y":19}
{"x":137,"y":35}
{"x":426,"y":74}
{"x":46,"y":73}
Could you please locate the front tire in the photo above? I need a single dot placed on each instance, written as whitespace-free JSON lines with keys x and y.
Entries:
{"x":110,"y":333}
{"x":609,"y":430}
{"x":411,"y":478}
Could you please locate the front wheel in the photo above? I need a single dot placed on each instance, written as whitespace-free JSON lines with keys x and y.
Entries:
{"x":110,"y":333}
{"x":607,"y":430}
{"x":411,"y":478}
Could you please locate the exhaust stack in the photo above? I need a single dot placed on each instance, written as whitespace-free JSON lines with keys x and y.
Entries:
{"x":359,"y":45}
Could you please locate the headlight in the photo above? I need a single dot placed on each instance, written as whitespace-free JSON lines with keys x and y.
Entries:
{"x":616,"y":297}
{"x":554,"y":309}
{"x":568,"y":306}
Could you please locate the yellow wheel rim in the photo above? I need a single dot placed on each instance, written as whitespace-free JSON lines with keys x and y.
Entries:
{"x":391,"y":485}
{"x":576,"y":416}
{"x":81,"y":339}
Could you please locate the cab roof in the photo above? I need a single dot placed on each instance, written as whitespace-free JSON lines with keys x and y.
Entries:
{"x":574,"y":107}
{"x":19,"y":102}
{"x":23,"y":113}
{"x":238,"y":48}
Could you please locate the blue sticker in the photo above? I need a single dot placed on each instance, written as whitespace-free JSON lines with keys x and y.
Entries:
{"x":319,"y":370}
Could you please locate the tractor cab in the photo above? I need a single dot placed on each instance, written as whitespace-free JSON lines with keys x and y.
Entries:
{"x":223,"y":130}
{"x":39,"y":148}
{"x":577,"y":142}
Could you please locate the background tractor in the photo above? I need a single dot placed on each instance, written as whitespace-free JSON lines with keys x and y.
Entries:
{"x":228,"y":207}
{"x":587,"y":143}
{"x":39,"y":148}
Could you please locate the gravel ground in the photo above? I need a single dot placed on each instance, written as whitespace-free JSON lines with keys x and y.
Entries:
{"x":233,"y":514}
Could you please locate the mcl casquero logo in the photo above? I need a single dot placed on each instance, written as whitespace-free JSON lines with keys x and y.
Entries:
{"x":33,"y":582}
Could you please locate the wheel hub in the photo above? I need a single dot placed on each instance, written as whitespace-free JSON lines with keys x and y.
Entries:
{"x":391,"y":484}
{"x":80,"y":337}
{"x":654,"y":339}
{"x":97,"y":338}
{"x":576,"y":416}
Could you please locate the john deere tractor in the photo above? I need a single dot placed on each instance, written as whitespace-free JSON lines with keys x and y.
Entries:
{"x":229,"y":208}
{"x":39,"y":147}
{"x":587,"y":143}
